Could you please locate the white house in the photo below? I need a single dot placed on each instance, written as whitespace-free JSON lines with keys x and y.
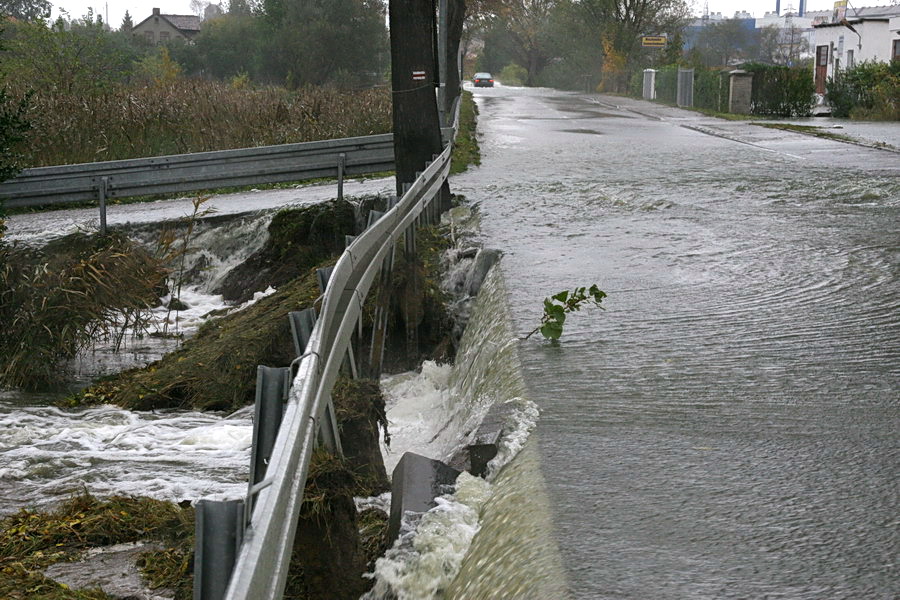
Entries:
{"x":868,"y":34}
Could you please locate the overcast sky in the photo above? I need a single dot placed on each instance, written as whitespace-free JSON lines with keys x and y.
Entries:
{"x":141,"y":10}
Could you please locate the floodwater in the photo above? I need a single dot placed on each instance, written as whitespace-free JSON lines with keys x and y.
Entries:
{"x":728,"y":427}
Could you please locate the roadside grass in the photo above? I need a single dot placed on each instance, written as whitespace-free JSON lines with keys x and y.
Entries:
{"x":466,"y":152}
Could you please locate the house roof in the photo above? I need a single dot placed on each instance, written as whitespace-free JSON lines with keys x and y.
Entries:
{"x":868,"y":13}
{"x":184,"y":22}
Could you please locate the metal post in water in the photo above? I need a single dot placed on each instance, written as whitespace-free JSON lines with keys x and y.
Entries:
{"x":218,"y":535}
{"x":102,"y":190}
{"x":342,"y":163}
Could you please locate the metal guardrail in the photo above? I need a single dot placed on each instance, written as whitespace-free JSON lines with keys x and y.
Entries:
{"x":261,"y":568}
{"x":200,"y":171}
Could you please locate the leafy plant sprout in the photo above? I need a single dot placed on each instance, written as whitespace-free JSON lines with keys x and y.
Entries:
{"x":559,"y":305}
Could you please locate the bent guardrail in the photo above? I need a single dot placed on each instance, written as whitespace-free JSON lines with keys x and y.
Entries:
{"x":261,"y":568}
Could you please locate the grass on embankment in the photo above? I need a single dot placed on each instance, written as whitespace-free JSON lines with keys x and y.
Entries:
{"x":466,"y":152}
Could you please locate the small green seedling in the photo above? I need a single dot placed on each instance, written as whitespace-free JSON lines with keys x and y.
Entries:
{"x":559,"y":305}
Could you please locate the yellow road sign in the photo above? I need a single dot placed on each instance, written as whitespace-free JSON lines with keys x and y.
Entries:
{"x":653,"y":41}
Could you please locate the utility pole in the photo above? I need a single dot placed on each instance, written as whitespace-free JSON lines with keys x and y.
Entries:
{"x":417,"y":131}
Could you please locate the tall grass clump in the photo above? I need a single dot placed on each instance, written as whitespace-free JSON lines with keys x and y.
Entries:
{"x":58,"y":301}
{"x":180,"y":115}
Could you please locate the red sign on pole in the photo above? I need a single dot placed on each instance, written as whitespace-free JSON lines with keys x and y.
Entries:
{"x":418,"y":75}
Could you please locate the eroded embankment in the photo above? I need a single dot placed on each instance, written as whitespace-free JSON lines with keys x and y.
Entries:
{"x":216,"y":370}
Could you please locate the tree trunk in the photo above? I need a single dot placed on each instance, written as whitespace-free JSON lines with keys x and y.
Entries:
{"x":455,"y":19}
{"x":417,"y":130}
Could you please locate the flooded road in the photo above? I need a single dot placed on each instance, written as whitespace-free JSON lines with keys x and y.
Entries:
{"x":728,"y":427}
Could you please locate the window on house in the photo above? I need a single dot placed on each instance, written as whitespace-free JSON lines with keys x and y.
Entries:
{"x":149,"y":36}
{"x":850,"y":59}
{"x":896,"y":53}
{"x":163,"y":36}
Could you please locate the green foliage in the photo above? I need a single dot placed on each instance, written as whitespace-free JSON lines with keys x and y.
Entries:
{"x":25,"y":10}
{"x":513,"y":74}
{"x":667,"y":84}
{"x":780,"y":91}
{"x":466,"y":151}
{"x":711,"y":89}
{"x":81,"y":60}
{"x":558,"y":306}
{"x":869,"y":90}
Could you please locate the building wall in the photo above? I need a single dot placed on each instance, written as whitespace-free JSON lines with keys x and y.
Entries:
{"x":876,"y":42}
{"x":157,"y":30}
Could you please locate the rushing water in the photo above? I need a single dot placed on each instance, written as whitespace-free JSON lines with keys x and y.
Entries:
{"x":728,"y":427}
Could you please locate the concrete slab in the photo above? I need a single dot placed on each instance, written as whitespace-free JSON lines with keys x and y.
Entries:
{"x":417,"y":480}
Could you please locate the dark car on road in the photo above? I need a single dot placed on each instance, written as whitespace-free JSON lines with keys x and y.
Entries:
{"x":483,"y":80}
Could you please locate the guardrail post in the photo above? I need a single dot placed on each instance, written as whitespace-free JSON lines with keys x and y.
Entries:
{"x":342,"y":163}
{"x":272,"y":386}
{"x":218,"y":531}
{"x":102,"y":190}
{"x":328,"y":430}
{"x":302,"y":323}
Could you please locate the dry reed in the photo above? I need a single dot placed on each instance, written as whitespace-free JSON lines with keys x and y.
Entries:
{"x":193,"y":115}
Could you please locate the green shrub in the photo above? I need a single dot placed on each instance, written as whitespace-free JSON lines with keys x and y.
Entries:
{"x":513,"y":74}
{"x":711,"y":89}
{"x":780,"y":91}
{"x":667,"y":84}
{"x":869,"y":90}
{"x":636,"y":84}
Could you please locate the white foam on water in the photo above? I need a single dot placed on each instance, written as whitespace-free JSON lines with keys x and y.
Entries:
{"x":516,"y":430}
{"x":48,"y":453}
{"x":426,"y":558}
{"x":418,"y":412}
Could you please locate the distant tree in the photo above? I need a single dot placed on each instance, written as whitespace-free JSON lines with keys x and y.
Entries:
{"x":225,"y":47}
{"x":26,"y":10}
{"x":524,"y":23}
{"x":240,"y":8}
{"x":621,"y":23}
{"x":723,"y":42}
{"x":198,"y":6}
{"x":127,"y":23}
{"x":212,"y":11}
{"x":313,"y":42}
{"x":80,"y":57}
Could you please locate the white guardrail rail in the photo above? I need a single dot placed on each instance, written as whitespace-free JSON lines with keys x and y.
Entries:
{"x":262,"y":564}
